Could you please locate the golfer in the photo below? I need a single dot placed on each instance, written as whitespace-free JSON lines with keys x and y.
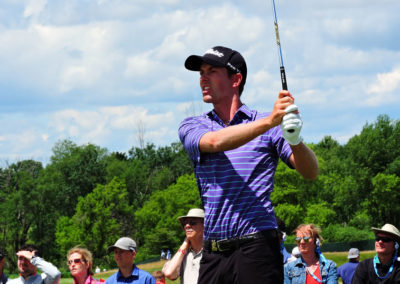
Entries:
{"x":235,"y":151}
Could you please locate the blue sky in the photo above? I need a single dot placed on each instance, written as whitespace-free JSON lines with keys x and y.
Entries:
{"x":96,"y":71}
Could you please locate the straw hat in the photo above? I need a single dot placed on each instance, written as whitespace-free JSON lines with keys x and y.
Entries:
{"x":193,"y":213}
{"x":388,"y":229}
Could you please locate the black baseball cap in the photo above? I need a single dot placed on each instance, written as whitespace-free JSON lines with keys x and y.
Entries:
{"x":219,"y":56}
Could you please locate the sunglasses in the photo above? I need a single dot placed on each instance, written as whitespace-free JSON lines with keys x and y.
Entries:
{"x":383,"y":239}
{"x":305,"y":239}
{"x":190,"y":222}
{"x":76,"y":261}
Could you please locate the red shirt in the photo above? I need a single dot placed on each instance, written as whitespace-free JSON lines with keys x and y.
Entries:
{"x":310,"y":279}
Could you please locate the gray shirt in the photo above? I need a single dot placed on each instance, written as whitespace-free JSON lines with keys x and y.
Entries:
{"x":50,"y":275}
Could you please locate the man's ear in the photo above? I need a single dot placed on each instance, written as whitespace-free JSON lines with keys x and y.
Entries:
{"x":237,"y":79}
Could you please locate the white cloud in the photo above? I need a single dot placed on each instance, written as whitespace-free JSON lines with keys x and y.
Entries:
{"x":34,"y":7}
{"x":95,"y":68}
{"x":385,"y":88}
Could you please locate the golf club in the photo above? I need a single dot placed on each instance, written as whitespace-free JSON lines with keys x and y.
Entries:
{"x":278,"y":42}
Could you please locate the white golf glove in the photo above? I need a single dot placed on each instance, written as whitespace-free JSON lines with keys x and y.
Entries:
{"x":291,"y":125}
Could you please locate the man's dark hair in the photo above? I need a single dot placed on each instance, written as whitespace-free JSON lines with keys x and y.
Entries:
{"x":30,"y":247}
{"x":241,"y":86}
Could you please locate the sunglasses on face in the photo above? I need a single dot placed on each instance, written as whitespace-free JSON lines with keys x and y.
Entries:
{"x":305,"y":239}
{"x":383,"y":239}
{"x":190,"y":222}
{"x":76,"y":261}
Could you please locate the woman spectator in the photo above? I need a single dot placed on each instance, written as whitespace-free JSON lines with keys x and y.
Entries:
{"x":311,"y":267}
{"x":80,"y":263}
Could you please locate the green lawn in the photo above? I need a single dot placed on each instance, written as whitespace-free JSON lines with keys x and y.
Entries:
{"x":338,"y":257}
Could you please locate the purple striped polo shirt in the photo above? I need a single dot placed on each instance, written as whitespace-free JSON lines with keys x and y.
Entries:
{"x":235,"y":185}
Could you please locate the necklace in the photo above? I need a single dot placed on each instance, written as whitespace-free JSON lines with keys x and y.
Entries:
{"x":311,"y":269}
{"x":376,"y":261}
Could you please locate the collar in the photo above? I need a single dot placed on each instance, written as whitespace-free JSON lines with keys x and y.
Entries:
{"x":134,"y":273}
{"x":194,"y":253}
{"x":29,"y":277}
{"x":242,"y":113}
{"x":88,"y":280}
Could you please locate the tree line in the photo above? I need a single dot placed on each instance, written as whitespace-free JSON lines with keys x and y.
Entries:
{"x":88,"y":196}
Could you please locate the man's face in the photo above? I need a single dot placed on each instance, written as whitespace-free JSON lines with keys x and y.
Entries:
{"x":384,"y":244}
{"x":124,"y":258}
{"x":25,"y":267}
{"x":193,"y":227}
{"x":215,"y":84}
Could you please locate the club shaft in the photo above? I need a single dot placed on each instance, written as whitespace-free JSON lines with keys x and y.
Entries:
{"x":278,"y":42}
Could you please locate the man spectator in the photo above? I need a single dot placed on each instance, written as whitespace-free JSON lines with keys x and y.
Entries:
{"x":296,"y":253}
{"x":3,"y":277}
{"x":29,"y":262}
{"x":124,"y":254}
{"x":235,"y":152}
{"x":287,"y":257}
{"x":384,"y":267}
{"x":346,"y":271}
{"x":186,"y":262}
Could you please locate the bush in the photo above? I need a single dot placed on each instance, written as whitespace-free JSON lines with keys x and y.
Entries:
{"x":338,"y":233}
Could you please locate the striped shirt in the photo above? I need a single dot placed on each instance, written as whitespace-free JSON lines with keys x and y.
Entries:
{"x":235,"y":185}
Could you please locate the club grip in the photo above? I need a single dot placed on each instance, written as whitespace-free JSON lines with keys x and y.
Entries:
{"x":283,"y":78}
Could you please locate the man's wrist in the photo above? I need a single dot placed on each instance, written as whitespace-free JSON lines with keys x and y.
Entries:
{"x":182,"y":251}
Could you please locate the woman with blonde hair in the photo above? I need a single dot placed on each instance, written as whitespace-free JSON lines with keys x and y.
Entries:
{"x":80,"y":263}
{"x":311,"y":267}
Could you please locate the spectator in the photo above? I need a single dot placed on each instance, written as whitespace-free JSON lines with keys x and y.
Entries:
{"x":296,"y":252}
{"x":80,"y":263}
{"x":346,"y":271}
{"x":186,"y":262}
{"x":163,"y":254}
{"x":159,"y":276}
{"x":311,"y":266}
{"x":384,"y":267}
{"x":29,"y":262}
{"x":124,"y":254}
{"x":3,"y":276}
{"x":287,"y":257}
{"x":235,"y":152}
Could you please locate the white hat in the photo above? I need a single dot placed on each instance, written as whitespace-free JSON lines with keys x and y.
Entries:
{"x":353,"y":253}
{"x":193,"y":213}
{"x":389,"y":229}
{"x":295,"y":251}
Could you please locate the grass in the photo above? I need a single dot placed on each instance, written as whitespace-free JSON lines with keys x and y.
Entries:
{"x":338,"y":257}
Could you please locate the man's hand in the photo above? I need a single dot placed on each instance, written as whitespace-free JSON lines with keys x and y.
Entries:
{"x":291,"y":125}
{"x":26,"y":254}
{"x":284,"y":100}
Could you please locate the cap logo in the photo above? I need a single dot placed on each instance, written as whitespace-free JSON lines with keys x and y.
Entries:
{"x":215,"y":52}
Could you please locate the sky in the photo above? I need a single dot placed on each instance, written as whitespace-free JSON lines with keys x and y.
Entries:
{"x":98,"y":71}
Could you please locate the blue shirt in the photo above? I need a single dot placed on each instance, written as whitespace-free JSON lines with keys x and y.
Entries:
{"x":295,"y":272}
{"x":346,"y":271}
{"x":235,"y":185}
{"x":137,"y":276}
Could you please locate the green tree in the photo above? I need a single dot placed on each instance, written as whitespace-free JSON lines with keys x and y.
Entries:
{"x":156,"y":222}
{"x":101,"y":217}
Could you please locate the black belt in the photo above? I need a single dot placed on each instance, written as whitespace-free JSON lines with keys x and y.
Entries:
{"x":226,"y":245}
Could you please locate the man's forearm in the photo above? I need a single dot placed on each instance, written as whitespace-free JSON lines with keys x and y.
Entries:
{"x":171,"y":268}
{"x":304,"y":161}
{"x":53,"y":274}
{"x":233,"y":136}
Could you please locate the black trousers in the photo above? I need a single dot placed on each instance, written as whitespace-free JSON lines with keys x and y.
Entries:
{"x":259,"y":261}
